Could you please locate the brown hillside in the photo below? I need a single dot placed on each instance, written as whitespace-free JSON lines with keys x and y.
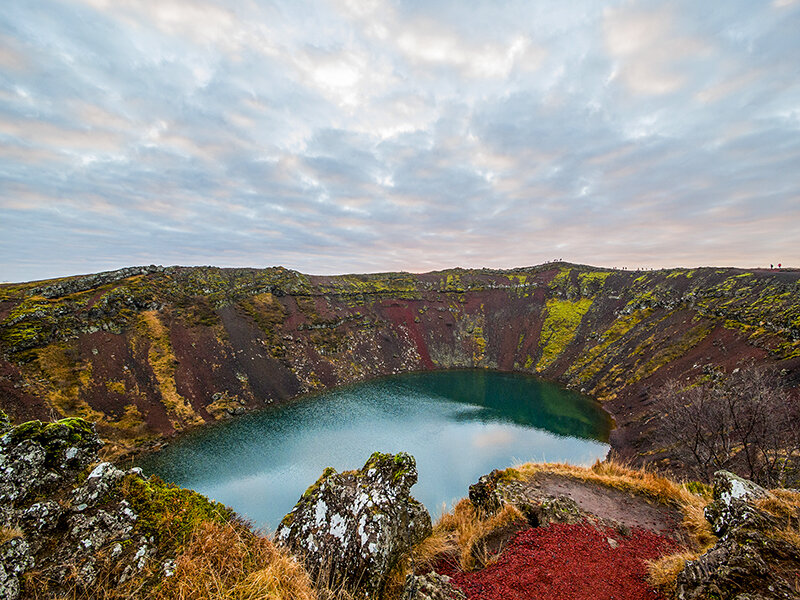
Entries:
{"x":150,"y":351}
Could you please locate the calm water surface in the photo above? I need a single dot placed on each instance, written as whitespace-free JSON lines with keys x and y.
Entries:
{"x":457,"y":424}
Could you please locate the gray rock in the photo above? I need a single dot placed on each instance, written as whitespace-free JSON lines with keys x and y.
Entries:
{"x":732,"y":505}
{"x":351,"y":528}
{"x":21,"y":469}
{"x":103,"y":478}
{"x":41,"y":516}
{"x":431,"y":587}
{"x":15,"y":559}
{"x":484,"y":494}
{"x":561,"y":509}
{"x":748,"y":562}
{"x":37,"y":458}
{"x":71,"y":535}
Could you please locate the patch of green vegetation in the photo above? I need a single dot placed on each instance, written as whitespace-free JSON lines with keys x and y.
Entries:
{"x":669,"y":353}
{"x":562,"y":318}
{"x":169,"y":513}
{"x":401,"y":285}
{"x":675,"y":273}
{"x":698,"y":488}
{"x":591,"y":282}
{"x":561,"y":279}
{"x":116,"y":386}
{"x":269,"y":314}
{"x":53,"y":437}
{"x":590,"y":362}
{"x":480,"y":345}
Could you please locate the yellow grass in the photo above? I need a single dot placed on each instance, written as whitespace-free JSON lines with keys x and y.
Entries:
{"x":231,"y":563}
{"x":456,"y":533}
{"x":785,"y":505}
{"x":662,"y":572}
{"x":642,"y":481}
{"x":163,"y":363}
{"x":9,"y":533}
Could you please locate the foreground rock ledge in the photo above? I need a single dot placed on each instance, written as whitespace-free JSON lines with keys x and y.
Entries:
{"x":352,"y":527}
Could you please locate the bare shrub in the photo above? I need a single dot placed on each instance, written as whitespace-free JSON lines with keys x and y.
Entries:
{"x":745,"y":423}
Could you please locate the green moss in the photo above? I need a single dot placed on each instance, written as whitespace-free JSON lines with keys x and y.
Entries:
{"x":53,"y":437}
{"x":699,"y":488}
{"x":561,"y":279}
{"x":562,"y":318}
{"x":169,"y":513}
{"x":591,"y":361}
{"x":510,"y":474}
{"x":592,"y":282}
{"x":669,"y":353}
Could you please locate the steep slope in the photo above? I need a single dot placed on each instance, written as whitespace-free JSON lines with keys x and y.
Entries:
{"x":150,"y":351}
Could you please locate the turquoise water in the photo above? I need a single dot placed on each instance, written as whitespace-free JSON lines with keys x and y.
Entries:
{"x":457,"y":424}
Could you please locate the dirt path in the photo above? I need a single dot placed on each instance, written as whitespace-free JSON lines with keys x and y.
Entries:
{"x":610,"y":505}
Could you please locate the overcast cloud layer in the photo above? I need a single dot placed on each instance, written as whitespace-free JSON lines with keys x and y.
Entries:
{"x":352,"y":136}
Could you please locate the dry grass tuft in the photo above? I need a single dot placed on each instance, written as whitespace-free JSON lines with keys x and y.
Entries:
{"x":456,"y":533}
{"x":9,"y":533}
{"x":783,"y":504}
{"x":662,"y":572}
{"x":226,"y":561}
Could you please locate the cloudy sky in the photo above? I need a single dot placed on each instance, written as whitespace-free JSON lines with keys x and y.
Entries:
{"x":355,"y":135}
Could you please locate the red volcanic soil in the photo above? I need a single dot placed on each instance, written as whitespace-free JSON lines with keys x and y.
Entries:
{"x":569,"y":562}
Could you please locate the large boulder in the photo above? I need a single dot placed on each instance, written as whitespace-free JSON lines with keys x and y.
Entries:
{"x":751,"y":559}
{"x":38,"y":458}
{"x":53,"y":521}
{"x":733,"y":502}
{"x":352,"y":527}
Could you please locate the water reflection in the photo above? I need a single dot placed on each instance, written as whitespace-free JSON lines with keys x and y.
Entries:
{"x":458,"y":425}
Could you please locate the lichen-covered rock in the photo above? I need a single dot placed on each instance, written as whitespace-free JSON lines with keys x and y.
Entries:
{"x":750,"y":561}
{"x":484,"y":495}
{"x":431,"y":586}
{"x":560,"y":509}
{"x":352,"y":527}
{"x":732,"y":505}
{"x":103,"y":478}
{"x":69,"y":534}
{"x":37,"y":458}
{"x":15,"y":559}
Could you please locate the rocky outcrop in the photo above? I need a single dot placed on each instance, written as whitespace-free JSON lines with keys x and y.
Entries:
{"x":431,"y":586}
{"x":493,"y":491}
{"x":751,"y":560}
{"x":352,"y":527}
{"x":82,"y":283}
{"x":67,"y":526}
{"x":63,"y":536}
{"x":38,"y":459}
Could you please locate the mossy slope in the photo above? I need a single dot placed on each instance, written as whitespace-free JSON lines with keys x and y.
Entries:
{"x":185,"y":345}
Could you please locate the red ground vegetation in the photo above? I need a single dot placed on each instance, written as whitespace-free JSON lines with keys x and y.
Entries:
{"x":569,"y":562}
